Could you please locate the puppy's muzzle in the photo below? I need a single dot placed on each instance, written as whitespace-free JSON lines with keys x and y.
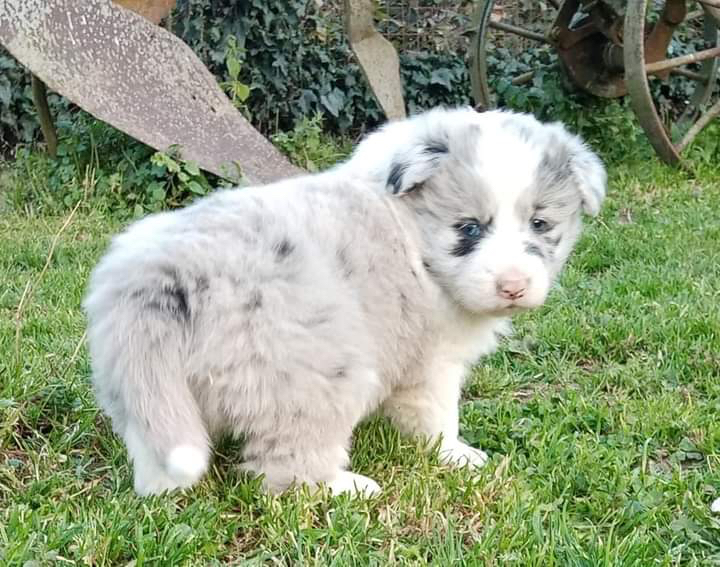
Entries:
{"x":512,"y":285}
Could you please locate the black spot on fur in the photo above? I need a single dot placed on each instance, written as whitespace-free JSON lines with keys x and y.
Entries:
{"x":429,"y":268}
{"x":283,"y":249}
{"x":321,"y":318}
{"x":404,"y":304}
{"x":170,"y":298}
{"x":344,"y":263}
{"x":178,"y":300}
{"x":255,"y":301}
{"x":534,"y":250}
{"x":397,"y":171}
{"x":340,"y":372}
{"x":436,"y":147}
{"x":202,"y":284}
{"x":466,"y":244}
{"x":464,"y":247}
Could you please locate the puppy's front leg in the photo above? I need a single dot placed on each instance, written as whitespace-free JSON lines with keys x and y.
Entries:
{"x":430,"y":408}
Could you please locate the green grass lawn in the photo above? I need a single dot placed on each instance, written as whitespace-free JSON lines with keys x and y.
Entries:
{"x":601,"y":414}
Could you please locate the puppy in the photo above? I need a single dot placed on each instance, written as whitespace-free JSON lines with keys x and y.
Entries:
{"x":287,"y":313}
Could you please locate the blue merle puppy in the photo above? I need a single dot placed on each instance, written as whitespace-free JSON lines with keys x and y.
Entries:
{"x":287,"y":313}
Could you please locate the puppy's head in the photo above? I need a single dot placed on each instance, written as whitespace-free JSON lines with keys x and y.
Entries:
{"x":498,"y":199}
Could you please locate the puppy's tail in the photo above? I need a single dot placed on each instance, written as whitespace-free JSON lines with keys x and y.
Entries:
{"x":142,"y":382}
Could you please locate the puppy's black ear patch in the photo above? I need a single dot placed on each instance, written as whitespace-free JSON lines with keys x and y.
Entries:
{"x":413,"y":165}
{"x":397,"y":171}
{"x":436,"y":147}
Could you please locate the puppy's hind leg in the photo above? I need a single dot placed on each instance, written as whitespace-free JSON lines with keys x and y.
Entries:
{"x":305,"y":438}
{"x":305,"y":464}
{"x":430,"y":408}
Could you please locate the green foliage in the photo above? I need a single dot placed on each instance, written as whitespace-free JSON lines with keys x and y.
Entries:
{"x":298,"y":63}
{"x":94,"y":160}
{"x":288,"y":67}
{"x":18,"y":122}
{"x":234,"y":59}
{"x":432,"y":78}
{"x":309,"y":147}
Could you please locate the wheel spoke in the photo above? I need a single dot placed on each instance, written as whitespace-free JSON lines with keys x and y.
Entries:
{"x":692,"y":75}
{"x":703,"y":121}
{"x":658,"y":66}
{"x":518,"y":31}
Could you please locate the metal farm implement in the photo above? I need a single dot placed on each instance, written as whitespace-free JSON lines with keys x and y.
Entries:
{"x":610,"y":48}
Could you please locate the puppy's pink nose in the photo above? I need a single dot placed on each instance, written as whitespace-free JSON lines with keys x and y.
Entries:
{"x":512,"y":285}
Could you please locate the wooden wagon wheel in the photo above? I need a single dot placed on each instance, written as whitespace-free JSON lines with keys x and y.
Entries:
{"x":607,"y":53}
{"x":585,"y":37}
{"x":493,"y":25}
{"x":670,"y":136}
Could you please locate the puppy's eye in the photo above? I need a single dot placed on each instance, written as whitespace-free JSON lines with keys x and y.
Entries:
{"x":471,"y":230}
{"x":540,"y":225}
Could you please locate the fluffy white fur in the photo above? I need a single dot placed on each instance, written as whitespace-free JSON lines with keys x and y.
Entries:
{"x":286,"y":314}
{"x":716,"y":506}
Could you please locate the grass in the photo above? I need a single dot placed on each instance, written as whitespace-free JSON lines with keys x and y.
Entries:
{"x":602,"y":415}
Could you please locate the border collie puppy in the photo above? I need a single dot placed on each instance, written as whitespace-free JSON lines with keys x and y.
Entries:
{"x":287,"y":313}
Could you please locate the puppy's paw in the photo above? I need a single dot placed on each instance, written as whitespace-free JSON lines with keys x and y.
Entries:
{"x":715,"y":506}
{"x":354,"y":484}
{"x":458,"y":454}
{"x":157,"y":484}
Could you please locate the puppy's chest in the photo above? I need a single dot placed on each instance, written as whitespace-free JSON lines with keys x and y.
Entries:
{"x":465,"y":342}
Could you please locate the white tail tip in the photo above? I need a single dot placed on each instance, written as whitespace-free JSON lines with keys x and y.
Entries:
{"x":186,"y":464}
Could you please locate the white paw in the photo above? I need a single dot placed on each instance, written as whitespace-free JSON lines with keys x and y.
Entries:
{"x":457,"y":453}
{"x":715,"y":506}
{"x":156,"y":484}
{"x":353,"y":484}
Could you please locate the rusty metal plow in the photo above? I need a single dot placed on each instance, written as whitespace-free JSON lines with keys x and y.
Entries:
{"x":125,"y":70}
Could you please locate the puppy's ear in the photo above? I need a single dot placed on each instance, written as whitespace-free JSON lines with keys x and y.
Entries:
{"x":415,"y":163}
{"x":568,"y":156}
{"x":590,"y":176}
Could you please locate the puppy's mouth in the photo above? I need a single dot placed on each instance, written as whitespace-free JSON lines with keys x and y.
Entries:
{"x":516,"y":306}
{"x":505,"y":309}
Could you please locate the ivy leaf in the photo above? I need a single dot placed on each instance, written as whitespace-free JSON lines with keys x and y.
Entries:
{"x":333,"y":101}
{"x":441,"y":77}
